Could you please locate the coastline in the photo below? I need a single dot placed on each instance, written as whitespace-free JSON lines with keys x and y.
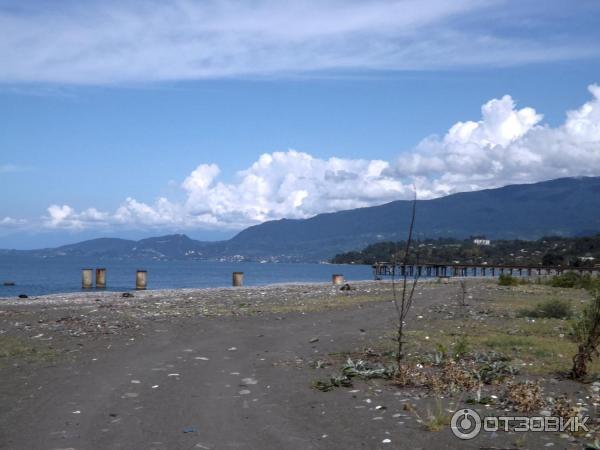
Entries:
{"x":310,"y":289}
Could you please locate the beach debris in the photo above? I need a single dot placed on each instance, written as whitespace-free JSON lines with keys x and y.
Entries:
{"x":526,"y":396}
{"x":189,"y":430}
{"x":313,"y":340}
{"x":369,"y":352}
{"x":346,"y":287}
{"x":244,"y":392}
{"x":319,"y":364}
{"x":127,"y":294}
{"x":23,"y":296}
{"x":248,"y":381}
{"x":232,"y":349}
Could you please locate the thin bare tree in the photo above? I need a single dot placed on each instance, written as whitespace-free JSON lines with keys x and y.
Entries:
{"x":463,"y":292}
{"x":403,"y":302}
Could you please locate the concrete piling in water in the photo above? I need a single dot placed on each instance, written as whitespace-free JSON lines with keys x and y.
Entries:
{"x":101,"y":278}
{"x":141,"y":279}
{"x":237,"y":279}
{"x":86,"y":279}
{"x":337,"y":279}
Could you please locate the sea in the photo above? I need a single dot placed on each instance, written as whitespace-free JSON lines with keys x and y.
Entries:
{"x":41,"y":276}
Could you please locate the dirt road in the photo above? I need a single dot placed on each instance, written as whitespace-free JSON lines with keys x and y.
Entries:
{"x":219,"y":382}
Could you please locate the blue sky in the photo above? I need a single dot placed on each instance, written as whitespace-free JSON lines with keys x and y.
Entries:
{"x":126,"y":120}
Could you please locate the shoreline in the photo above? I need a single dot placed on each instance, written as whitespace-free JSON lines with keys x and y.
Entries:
{"x":92,"y":296}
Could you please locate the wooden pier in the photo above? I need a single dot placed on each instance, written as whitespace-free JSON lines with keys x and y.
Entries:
{"x":386,"y":269}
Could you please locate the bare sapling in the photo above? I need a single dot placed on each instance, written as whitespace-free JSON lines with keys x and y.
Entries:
{"x":403,"y":299}
{"x":462,"y":298}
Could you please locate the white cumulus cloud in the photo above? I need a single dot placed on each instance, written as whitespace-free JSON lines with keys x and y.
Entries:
{"x":506,"y":145}
{"x":10,"y":222}
{"x":63,"y":216}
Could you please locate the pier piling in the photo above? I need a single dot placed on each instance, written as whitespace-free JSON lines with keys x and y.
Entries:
{"x":86,"y":278}
{"x":337,"y":279}
{"x":237,"y":279}
{"x":141,"y":279}
{"x":101,"y":278}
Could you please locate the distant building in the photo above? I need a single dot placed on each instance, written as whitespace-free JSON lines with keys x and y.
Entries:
{"x":587,"y":258}
{"x":481,"y":241}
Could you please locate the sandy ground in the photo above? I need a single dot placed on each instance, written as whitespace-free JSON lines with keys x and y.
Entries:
{"x":216,"y":369}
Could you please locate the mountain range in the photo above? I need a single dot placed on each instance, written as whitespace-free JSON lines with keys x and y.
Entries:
{"x":562,"y":207}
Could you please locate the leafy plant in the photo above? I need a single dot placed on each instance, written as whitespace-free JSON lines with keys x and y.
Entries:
{"x":494,"y":367}
{"x":571,"y":280}
{"x":549,"y":309}
{"x":461,"y":348}
{"x":333,"y":382}
{"x":365,"y":369}
{"x":351,"y":369}
{"x":506,"y":279}
{"x":438,"y":418}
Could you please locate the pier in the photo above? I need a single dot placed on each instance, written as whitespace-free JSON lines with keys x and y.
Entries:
{"x":387,"y":269}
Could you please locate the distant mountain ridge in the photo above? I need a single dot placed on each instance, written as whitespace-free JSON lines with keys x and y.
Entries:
{"x":562,"y":207}
{"x":175,"y":246}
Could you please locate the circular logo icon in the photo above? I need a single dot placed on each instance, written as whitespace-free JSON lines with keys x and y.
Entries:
{"x":466,"y":424}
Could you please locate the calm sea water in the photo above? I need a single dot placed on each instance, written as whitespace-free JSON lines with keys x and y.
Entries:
{"x":47,"y":276}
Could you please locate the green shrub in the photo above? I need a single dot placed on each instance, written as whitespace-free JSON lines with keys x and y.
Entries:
{"x":550,"y":309}
{"x":461,"y":348}
{"x":575,"y":280}
{"x":586,"y":332}
{"x":568,"y":280}
{"x":584,"y":322}
{"x":506,"y":279}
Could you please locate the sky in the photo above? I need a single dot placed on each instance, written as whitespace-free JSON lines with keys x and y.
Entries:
{"x":135,"y":119}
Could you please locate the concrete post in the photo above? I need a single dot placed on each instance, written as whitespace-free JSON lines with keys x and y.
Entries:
{"x":141,"y":279}
{"x":337,"y":279}
{"x":101,"y":278}
{"x":86,"y":278}
{"x":237,"y":279}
